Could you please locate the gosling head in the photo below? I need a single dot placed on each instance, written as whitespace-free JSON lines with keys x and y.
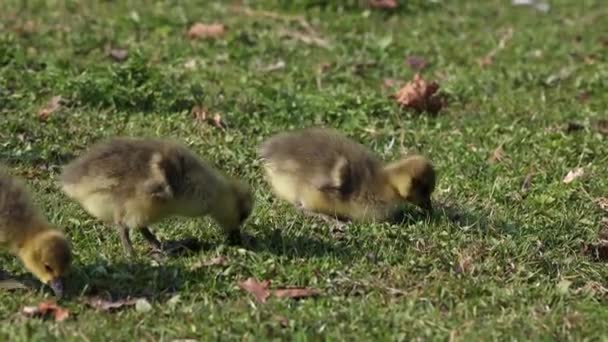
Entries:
{"x":413,"y":178}
{"x":48,"y":256}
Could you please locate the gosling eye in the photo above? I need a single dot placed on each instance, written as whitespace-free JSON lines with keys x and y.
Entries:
{"x":48,"y":268}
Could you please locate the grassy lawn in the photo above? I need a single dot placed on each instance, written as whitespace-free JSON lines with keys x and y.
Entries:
{"x":493,"y":262}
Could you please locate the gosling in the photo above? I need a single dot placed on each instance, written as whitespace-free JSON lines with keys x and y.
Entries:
{"x":43,"y":250}
{"x":136,"y":182}
{"x":326,"y":174}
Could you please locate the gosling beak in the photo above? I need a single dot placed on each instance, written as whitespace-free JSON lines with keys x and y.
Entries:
{"x":57,"y":286}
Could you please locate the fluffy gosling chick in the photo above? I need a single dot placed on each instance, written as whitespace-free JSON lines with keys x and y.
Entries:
{"x":323,"y":172}
{"x":135,"y":182}
{"x":43,"y":250}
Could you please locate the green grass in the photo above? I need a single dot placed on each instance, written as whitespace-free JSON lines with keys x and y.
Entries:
{"x":513,"y":252}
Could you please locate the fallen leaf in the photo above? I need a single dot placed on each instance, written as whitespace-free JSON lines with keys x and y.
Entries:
{"x":118,"y":55}
{"x":53,"y":105}
{"x":601,"y":126}
{"x":202,"y":115}
{"x":110,"y":305}
{"x":498,"y":155}
{"x":525,"y":185}
{"x":602,"y":202}
{"x":416,"y":63}
{"x":383,"y":4}
{"x":574,"y":174}
{"x":420,"y":95}
{"x":206,"y":31}
{"x":217,"y":121}
{"x":592,"y":288}
{"x":464,"y":264}
{"x":258,"y":290}
{"x":283,"y":321}
{"x":295,"y":292}
{"x":46,"y":309}
{"x":261,"y":291}
{"x":603,"y":234}
{"x":597,"y":251}
{"x":217,"y":261}
{"x":590,"y":59}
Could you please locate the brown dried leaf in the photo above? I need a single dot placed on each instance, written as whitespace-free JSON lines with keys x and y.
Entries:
{"x":53,"y":105}
{"x":498,"y":155}
{"x":525,"y":185}
{"x":601,"y":126}
{"x":602,"y":202}
{"x":259,"y":290}
{"x":464,"y":264}
{"x":420,"y":95}
{"x":592,"y":288}
{"x":574,"y":174}
{"x":118,"y":55}
{"x":590,"y":59}
{"x":206,"y":31}
{"x":217,"y":261}
{"x":202,"y":115}
{"x":603,"y":234}
{"x":217,"y":121}
{"x":383,"y":4}
{"x":597,"y":251}
{"x":46,"y":309}
{"x":283,"y":321}
{"x":295,"y":292}
{"x":416,"y":63}
{"x":110,"y":305}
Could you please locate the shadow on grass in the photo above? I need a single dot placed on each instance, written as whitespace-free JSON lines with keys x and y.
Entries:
{"x":357,"y":6}
{"x":124,"y":279}
{"x":278,"y":242}
{"x":472,"y":221}
{"x":107,"y":280}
